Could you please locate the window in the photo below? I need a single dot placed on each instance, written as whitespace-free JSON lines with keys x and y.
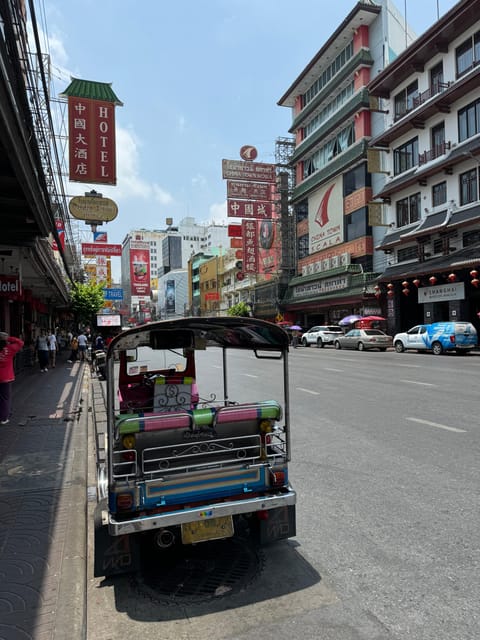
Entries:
{"x":468,"y":186}
{"x":471,"y":237}
{"x":332,"y":148}
{"x":342,"y":58}
{"x":357,"y":178}
{"x":356,"y":225}
{"x":404,"y":101}
{"x":468,"y":54}
{"x":469,"y":121}
{"x":303,"y":246}
{"x":439,"y":194}
{"x":329,"y":110}
{"x":406,"y":156}
{"x":408,"y":253}
{"x":408,"y":210}
{"x":436,"y":78}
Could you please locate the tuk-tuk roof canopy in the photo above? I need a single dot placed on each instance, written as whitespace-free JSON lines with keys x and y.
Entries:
{"x":230,"y":332}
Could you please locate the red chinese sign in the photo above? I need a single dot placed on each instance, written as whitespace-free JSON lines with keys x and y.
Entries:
{"x":101,"y":249}
{"x":249,"y":190}
{"x":91,"y":128}
{"x":250,"y":246}
{"x":249,"y":209}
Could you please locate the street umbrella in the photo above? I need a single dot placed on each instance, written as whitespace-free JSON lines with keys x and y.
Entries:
{"x":373,"y":318}
{"x":349,"y":320}
{"x":295,"y":327}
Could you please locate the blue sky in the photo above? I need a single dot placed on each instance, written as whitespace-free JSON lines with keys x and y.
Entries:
{"x":198,"y":80}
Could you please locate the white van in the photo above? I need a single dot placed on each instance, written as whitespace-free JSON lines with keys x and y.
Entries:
{"x":438,"y":337}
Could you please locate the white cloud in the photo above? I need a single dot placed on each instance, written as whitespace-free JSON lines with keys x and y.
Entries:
{"x":218,"y":213}
{"x":199,"y":180}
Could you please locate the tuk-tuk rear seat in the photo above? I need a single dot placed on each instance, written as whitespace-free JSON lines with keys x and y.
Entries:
{"x":217,"y":417}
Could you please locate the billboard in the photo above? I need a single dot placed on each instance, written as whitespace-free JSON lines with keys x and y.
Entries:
{"x":139,"y":269}
{"x":325,"y":216}
{"x":170,"y":296}
{"x":101,"y":249}
{"x":241,"y":170}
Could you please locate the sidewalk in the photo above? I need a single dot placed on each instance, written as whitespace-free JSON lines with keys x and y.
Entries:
{"x":43,"y":505}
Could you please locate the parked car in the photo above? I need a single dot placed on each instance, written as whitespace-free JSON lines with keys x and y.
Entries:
{"x":321,"y":335}
{"x":363,"y":339}
{"x":438,"y":337}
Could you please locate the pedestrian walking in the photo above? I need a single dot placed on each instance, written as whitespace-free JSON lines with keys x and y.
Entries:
{"x":52,"y":349}
{"x":73,"y":349}
{"x":9,"y":346}
{"x":42,"y":350}
{"x":82,"y":347}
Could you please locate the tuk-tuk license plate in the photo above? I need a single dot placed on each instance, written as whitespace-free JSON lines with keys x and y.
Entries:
{"x":213,"y":529}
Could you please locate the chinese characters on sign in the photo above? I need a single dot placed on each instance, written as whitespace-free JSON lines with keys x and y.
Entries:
{"x":250,"y":246}
{"x":249,"y":209}
{"x":91,"y":125}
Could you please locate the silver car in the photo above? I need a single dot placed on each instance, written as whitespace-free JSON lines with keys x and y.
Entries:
{"x":321,"y":335}
{"x":363,"y":339}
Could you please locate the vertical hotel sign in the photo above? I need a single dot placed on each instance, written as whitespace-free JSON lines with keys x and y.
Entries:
{"x":91,"y":129}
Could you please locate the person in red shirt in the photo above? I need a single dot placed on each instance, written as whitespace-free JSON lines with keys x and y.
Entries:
{"x":9,"y":346}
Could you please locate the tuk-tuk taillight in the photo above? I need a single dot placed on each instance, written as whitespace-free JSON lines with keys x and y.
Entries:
{"x":278,"y":478}
{"x":124,"y":501}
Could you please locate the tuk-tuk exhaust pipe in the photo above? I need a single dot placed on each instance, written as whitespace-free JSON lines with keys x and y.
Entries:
{"x":164,"y":538}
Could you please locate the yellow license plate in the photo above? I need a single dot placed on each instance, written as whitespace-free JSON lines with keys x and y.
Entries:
{"x":212,"y":529}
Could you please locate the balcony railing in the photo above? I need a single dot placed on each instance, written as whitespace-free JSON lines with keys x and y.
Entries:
{"x":436,"y":88}
{"x":437,"y":151}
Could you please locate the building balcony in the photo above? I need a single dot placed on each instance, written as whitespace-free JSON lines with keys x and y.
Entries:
{"x":437,"y":151}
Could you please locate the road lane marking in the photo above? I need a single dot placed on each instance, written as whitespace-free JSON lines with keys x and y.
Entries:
{"x":314,"y":393}
{"x":423,"y":384}
{"x":436,"y":424}
{"x":330,"y":369}
{"x":409,"y":366}
{"x":250,"y":375}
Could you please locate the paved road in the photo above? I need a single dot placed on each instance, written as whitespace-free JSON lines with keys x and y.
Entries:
{"x":385,"y":463}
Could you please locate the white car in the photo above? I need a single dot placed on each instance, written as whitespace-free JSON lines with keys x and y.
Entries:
{"x":321,"y":335}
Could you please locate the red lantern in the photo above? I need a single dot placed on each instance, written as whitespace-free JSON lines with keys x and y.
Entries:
{"x":416,"y":282}
{"x":389,"y":285}
{"x":390,"y":293}
{"x":432,"y":280}
{"x":378,"y":294}
{"x":406,"y":291}
{"x":452,"y":277}
{"x":404,"y":284}
{"x":473,"y":273}
{"x":475,"y":282}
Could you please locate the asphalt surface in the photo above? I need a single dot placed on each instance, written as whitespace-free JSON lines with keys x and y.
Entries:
{"x":43,"y":504}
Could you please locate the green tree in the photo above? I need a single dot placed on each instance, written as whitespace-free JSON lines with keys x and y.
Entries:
{"x":86,"y":301}
{"x":240,"y":309}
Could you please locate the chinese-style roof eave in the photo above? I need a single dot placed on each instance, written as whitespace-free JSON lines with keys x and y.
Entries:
{"x":435,"y":39}
{"x":92,"y":90}
{"x":459,"y":259}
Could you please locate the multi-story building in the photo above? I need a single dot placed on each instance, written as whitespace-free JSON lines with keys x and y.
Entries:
{"x":167,"y":249}
{"x":332,"y":127}
{"x":429,"y":99}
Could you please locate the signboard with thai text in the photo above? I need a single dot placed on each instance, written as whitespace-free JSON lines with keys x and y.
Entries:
{"x":91,"y":129}
{"x":255,"y":171}
{"x":101,"y":249}
{"x":249,"y":190}
{"x":249,"y":209}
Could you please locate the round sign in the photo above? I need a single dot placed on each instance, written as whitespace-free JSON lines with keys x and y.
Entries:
{"x":93,"y":208}
{"x":248,"y":152}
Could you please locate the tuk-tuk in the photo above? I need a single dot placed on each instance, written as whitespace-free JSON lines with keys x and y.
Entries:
{"x":187,"y":464}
